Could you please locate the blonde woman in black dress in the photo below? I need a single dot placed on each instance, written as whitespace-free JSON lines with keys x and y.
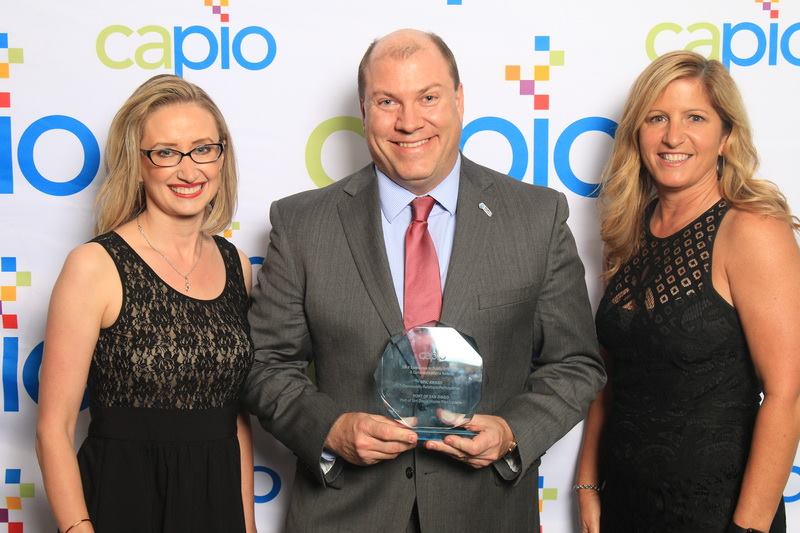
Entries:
{"x":152,"y":313}
{"x":699,"y":318}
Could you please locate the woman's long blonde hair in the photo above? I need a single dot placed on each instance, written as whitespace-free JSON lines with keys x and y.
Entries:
{"x":120,"y":198}
{"x":626,"y":185}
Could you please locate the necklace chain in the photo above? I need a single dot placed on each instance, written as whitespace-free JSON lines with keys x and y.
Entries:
{"x":185,"y":277}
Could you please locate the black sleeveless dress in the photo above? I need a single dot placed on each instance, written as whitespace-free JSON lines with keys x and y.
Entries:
{"x":684,"y":391}
{"x":162,"y":453}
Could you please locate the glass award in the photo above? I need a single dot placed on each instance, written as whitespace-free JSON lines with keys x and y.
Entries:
{"x":429,"y":378}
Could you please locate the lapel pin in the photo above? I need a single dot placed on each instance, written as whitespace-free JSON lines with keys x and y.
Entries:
{"x":485,"y":209}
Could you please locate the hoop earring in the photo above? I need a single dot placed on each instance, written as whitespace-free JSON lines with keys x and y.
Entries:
{"x":720,"y":166}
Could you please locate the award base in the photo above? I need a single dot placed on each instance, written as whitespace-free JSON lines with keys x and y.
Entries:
{"x":424,"y":434}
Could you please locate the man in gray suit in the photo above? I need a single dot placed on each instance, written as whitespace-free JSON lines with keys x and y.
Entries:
{"x":331,"y":291}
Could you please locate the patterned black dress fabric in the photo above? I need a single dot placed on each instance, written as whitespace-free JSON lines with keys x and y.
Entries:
{"x":162,"y":453}
{"x":684,"y":391}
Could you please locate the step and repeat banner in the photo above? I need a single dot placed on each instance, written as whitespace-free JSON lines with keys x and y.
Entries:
{"x":544,"y":84}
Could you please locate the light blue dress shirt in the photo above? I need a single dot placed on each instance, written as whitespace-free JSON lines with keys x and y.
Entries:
{"x":395,"y":204}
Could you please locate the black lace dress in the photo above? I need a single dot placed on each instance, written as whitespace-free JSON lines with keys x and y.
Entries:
{"x":684,"y":391}
{"x":162,"y":453}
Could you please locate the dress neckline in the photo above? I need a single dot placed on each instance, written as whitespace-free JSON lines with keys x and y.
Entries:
{"x":718,"y":204}
{"x":173,"y":289}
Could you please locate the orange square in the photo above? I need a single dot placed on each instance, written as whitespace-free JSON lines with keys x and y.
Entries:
{"x":208,"y":2}
{"x":8,"y":293}
{"x":228,"y":233}
{"x":13,"y":503}
{"x":3,"y":70}
{"x":512,"y":72}
{"x":541,"y":72}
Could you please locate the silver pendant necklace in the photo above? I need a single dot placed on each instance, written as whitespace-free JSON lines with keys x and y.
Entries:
{"x":185,"y":277}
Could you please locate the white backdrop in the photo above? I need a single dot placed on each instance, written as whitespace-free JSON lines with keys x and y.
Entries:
{"x":284,"y":75}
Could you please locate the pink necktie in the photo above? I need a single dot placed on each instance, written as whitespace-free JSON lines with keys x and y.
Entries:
{"x":422,"y":291}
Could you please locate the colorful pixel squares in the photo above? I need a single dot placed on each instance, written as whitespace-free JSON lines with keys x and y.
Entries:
{"x":12,"y":56}
{"x":216,"y":8}
{"x":13,"y":476}
{"x":228,"y":233}
{"x":770,"y":7}
{"x":541,"y":73}
{"x":8,"y":293}
{"x":546,"y":494}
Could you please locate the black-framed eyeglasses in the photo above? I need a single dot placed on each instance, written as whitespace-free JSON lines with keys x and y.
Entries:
{"x":169,"y":157}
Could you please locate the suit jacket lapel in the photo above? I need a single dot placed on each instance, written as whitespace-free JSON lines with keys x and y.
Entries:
{"x":472,"y":227}
{"x":359,"y":212}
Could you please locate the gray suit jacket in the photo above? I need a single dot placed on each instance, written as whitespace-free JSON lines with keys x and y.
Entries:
{"x":515,"y":284}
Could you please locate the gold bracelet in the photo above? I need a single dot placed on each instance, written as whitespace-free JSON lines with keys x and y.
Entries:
{"x":586,"y":486}
{"x":81,"y":521}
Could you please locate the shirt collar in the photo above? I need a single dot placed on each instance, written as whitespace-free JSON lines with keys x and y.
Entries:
{"x":394,"y":198}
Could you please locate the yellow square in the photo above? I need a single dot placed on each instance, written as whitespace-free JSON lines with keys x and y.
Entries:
{"x":512,"y":72}
{"x":3,"y":70}
{"x":541,"y":72}
{"x":8,"y":293}
{"x":223,"y":3}
{"x":13,"y":503}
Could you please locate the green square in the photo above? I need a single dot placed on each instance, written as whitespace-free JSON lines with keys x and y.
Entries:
{"x":235,"y":226}
{"x":557,"y":58}
{"x":23,"y":279}
{"x":15,"y":55}
{"x":26,"y":490}
{"x":549,"y":494}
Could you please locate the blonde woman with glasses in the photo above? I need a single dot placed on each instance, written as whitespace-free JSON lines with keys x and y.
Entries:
{"x":151,"y":317}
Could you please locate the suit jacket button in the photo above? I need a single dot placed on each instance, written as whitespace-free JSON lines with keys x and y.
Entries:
{"x":409,"y":472}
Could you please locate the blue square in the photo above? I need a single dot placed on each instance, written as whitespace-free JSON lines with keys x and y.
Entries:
{"x":541,"y":43}
{"x":541,"y":482}
{"x":13,"y":475}
{"x":3,"y":40}
{"x":8,"y":264}
{"x":453,"y":2}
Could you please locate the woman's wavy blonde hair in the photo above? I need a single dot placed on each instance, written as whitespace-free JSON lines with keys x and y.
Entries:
{"x":626,"y":185}
{"x":120,"y":198}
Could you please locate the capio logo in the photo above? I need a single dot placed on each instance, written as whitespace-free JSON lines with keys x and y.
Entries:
{"x":540,"y":144}
{"x":194,"y":47}
{"x":11,"y":279}
{"x":734,"y":43}
{"x":31,"y":135}
{"x":432,"y":356}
